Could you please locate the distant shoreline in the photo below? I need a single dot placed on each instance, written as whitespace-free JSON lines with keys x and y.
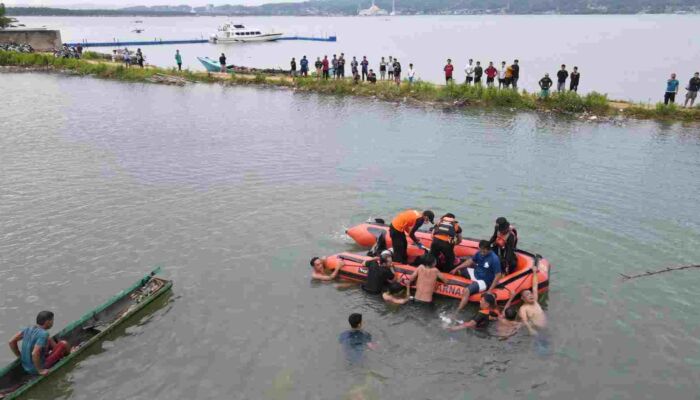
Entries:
{"x":592,"y":107}
{"x":245,"y":11}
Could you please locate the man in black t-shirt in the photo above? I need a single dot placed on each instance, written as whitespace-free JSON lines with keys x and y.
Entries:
{"x":380,"y":272}
{"x":516,"y":74}
{"x":561,"y":78}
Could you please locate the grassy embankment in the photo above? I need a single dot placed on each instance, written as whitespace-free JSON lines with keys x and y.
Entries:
{"x":451,"y":95}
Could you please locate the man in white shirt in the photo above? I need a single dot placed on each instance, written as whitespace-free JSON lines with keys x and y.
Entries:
{"x":411,"y":73}
{"x":502,"y":75}
{"x":469,"y":70}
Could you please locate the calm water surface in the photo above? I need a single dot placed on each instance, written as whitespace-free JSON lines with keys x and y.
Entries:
{"x":233,"y":189}
{"x":628,"y":57}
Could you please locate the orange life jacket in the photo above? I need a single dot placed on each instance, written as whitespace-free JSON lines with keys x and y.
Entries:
{"x":406,"y":220}
{"x":502,"y":238}
{"x":446,"y":229}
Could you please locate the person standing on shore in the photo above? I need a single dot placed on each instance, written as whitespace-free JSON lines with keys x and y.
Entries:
{"x":325,"y":66}
{"x":127,"y":57}
{"x":561,"y":78}
{"x":304,"y":64}
{"x":178,"y":60}
{"x":502,"y":75}
{"x":139,"y":58}
{"x":365,"y":67}
{"x":382,"y":69}
{"x":397,"y":71}
{"x":671,"y":90}
{"x":693,"y":87}
{"x":516,"y":74}
{"x":353,"y":66}
{"x":573,"y":80}
{"x":334,"y":63}
{"x":390,"y":68}
{"x":319,"y":67}
{"x":341,"y":66}
{"x":491,"y":73}
{"x":478,"y":71}
{"x":469,"y":71}
{"x":293,"y":67}
{"x":449,"y":68}
{"x":411,"y":74}
{"x":545,"y":84}
{"x":509,"y":76}
{"x":222,"y":62}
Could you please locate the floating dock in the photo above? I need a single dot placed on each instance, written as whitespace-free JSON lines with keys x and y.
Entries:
{"x":192,"y":41}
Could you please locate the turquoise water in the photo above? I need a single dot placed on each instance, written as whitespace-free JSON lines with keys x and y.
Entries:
{"x":234,"y":189}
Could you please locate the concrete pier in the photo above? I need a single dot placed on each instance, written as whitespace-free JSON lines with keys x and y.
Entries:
{"x":39,"y":39}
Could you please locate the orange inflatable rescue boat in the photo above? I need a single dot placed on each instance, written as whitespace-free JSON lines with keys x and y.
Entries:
{"x":366,"y":235}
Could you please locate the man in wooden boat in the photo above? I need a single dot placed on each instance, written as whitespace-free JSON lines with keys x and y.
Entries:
{"x":484,"y":270}
{"x":39,"y":351}
{"x":407,"y":223}
{"x":319,"y":270}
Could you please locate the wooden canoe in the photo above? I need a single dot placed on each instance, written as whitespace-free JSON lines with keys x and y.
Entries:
{"x":87,"y":330}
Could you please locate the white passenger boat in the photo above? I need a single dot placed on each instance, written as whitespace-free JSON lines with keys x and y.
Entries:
{"x":232,"y":33}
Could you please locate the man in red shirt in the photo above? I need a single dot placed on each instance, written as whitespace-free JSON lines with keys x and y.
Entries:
{"x":325,"y":67}
{"x":490,"y":74}
{"x":448,"y":71}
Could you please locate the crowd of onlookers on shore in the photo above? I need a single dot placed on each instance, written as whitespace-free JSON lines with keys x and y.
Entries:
{"x":506,"y":76}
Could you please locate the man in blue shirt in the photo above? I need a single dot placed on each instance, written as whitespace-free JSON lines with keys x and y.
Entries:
{"x":671,"y":90}
{"x":39,"y":351}
{"x":484,"y":270}
{"x":304,"y":63}
{"x":355,"y":340}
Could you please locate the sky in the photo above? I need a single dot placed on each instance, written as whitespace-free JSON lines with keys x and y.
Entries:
{"x":127,"y":3}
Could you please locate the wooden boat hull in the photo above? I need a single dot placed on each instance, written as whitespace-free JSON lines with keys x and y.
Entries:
{"x":517,"y":282}
{"x":87,"y":330}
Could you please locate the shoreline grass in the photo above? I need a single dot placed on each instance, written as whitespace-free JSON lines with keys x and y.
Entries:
{"x":452,"y":96}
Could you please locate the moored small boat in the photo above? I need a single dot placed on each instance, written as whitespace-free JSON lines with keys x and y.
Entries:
{"x":87,"y":330}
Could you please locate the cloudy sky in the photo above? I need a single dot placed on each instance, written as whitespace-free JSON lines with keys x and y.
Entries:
{"x":126,"y":3}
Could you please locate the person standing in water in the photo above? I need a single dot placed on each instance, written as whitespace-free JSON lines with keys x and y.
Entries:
{"x":425,"y":276}
{"x":355,"y":340}
{"x":531,"y":313}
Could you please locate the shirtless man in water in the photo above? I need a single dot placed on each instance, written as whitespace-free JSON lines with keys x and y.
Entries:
{"x":531,"y":313}
{"x":425,"y":276}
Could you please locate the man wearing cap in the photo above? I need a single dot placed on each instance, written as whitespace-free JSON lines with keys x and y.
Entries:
{"x":407,"y":223}
{"x":380,"y":272}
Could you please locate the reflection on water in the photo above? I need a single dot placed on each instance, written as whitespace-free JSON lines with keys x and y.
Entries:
{"x":234,"y":189}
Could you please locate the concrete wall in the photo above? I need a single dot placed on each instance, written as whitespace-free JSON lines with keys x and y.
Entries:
{"x":39,"y":39}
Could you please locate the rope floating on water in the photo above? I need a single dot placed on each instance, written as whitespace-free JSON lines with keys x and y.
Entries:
{"x":661,"y":271}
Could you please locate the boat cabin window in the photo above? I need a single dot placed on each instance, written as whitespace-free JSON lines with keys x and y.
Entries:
{"x":239,"y":26}
{"x":257,"y":33}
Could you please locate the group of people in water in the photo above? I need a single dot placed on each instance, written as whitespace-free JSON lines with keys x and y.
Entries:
{"x":494,"y":259}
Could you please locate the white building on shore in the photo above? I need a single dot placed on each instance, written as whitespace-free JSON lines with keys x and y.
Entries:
{"x":373,"y":11}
